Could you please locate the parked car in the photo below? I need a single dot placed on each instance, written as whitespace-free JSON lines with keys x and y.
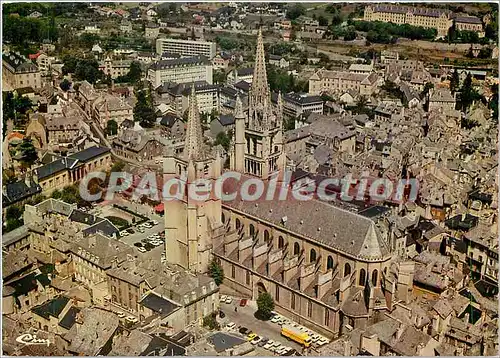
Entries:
{"x":256,"y":340}
{"x":138,"y":244}
{"x":124,"y":233}
{"x":243,"y":302}
{"x":263,"y":342}
{"x":131,"y":231}
{"x":251,"y":336}
{"x":121,"y":315}
{"x":244,"y":330}
{"x":142,"y":249}
{"x":132,"y":319}
{"x":269,"y":344}
{"x":222,"y":298}
{"x":229,"y":299}
{"x":230,"y":325}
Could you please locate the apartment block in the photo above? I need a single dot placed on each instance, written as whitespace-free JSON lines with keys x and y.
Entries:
{"x":337,"y":82}
{"x":19,"y":72}
{"x":182,"y":70}
{"x":438,"y":19}
{"x":186,"y":47}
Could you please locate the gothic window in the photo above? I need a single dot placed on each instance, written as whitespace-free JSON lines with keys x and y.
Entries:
{"x":312,"y":255}
{"x":281,"y":242}
{"x":329,"y":263}
{"x":238,"y":224}
{"x":223,"y":218}
{"x":252,"y":230}
{"x":362,"y":277}
{"x":233,"y":271}
{"x":292,"y":304}
{"x":266,"y":236}
{"x":296,"y":248}
{"x":374,"y":277}
{"x":347,"y":269}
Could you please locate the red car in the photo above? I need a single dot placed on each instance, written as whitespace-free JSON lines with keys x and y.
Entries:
{"x":243,"y":302}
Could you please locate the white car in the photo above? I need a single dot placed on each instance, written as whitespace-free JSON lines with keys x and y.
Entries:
{"x":322,"y":341}
{"x":141,"y":249}
{"x":140,"y":229}
{"x":124,"y":233}
{"x":155,"y":222}
{"x":231,"y":325}
{"x":281,"y":350}
{"x":229,"y":299}
{"x":121,"y":315}
{"x":275,"y":347}
{"x":256,"y":340}
{"x":276,"y":318}
{"x":269,"y":344}
{"x":146,"y":225}
{"x":222,"y":298}
{"x":315,"y":338}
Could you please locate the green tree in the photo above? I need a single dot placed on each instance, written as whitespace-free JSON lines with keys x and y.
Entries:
{"x":323,"y":21}
{"x":65,"y":85}
{"x":350,"y":35}
{"x":219,"y":77}
{"x":454,"y":81}
{"x":210,"y":321}
{"x":28,"y":152}
{"x":117,"y":167}
{"x":143,"y":110}
{"x":428,"y":86}
{"x":56,"y":194}
{"x":13,"y":218}
{"x":111,"y":127}
{"x":265,"y":305}
{"x":295,"y":11}
{"x":216,"y":271}
{"x":135,"y":73}
{"x":467,"y":93}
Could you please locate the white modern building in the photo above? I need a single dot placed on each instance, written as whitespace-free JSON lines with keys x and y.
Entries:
{"x":186,"y":47}
{"x":181,"y":70}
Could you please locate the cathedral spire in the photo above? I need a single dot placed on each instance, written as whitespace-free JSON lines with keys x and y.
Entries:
{"x":238,"y":109}
{"x":193,"y":147}
{"x":260,"y":87}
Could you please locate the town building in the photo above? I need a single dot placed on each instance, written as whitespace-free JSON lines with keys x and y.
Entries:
{"x":336,"y":82}
{"x":109,"y":107}
{"x":115,"y":68}
{"x":19,"y":72}
{"x":278,"y":61}
{"x":182,"y":70}
{"x":438,"y":19}
{"x":152,"y":31}
{"x":186,"y":47}
{"x":297,"y":104}
{"x":240,"y":74}
{"x":442,"y":100}
{"x":469,"y":23}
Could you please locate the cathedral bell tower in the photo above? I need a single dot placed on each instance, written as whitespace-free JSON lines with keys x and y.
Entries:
{"x":190,"y":221}
{"x":258,"y":142}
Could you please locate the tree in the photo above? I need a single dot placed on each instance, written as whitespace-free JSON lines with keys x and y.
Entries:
{"x":28,"y":152}
{"x":13,"y":218}
{"x":65,"y":85}
{"x":323,"y":21}
{"x":135,"y":73}
{"x":117,"y":167}
{"x":143,"y":110}
{"x":454,"y":81}
{"x":428,"y":86}
{"x":467,"y":95}
{"x":219,"y":77}
{"x":265,"y":305}
{"x":216,"y":271}
{"x":350,"y":35}
{"x":111,"y":127}
{"x":295,"y":11}
{"x":210,"y":321}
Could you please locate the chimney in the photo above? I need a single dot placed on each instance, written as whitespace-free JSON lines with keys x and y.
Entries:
{"x":92,"y":241}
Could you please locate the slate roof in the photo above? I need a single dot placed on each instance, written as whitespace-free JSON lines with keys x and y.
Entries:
{"x":184,"y":61}
{"x":89,"y":153}
{"x":54,"y":167}
{"x":223,"y":341}
{"x":243,"y":85}
{"x":245,"y":71}
{"x":226,"y":119}
{"x":15,"y":192}
{"x":468,"y":19}
{"x":158,"y":304}
{"x":52,"y":308}
{"x":18,"y":62}
{"x":104,"y":227}
{"x":69,"y":318}
{"x":301,"y":98}
{"x":15,"y":235}
{"x":84,"y":218}
{"x":421,"y":11}
{"x":168,"y":120}
{"x":326,"y":224}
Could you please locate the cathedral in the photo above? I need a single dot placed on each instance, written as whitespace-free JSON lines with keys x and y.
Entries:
{"x":326,"y":267}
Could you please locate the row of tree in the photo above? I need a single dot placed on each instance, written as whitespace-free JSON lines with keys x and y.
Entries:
{"x":384,"y":32}
{"x":21,"y":31}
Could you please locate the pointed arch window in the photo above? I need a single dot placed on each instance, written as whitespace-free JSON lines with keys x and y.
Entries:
{"x":329,"y":263}
{"x":374,"y":277}
{"x":347,"y":269}
{"x":281,"y":242}
{"x":362,"y":277}
{"x":266,"y":236}
{"x":296,"y":248}
{"x":312,"y":255}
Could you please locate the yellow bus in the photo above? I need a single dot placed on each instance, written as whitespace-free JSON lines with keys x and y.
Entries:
{"x":296,"y":335}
